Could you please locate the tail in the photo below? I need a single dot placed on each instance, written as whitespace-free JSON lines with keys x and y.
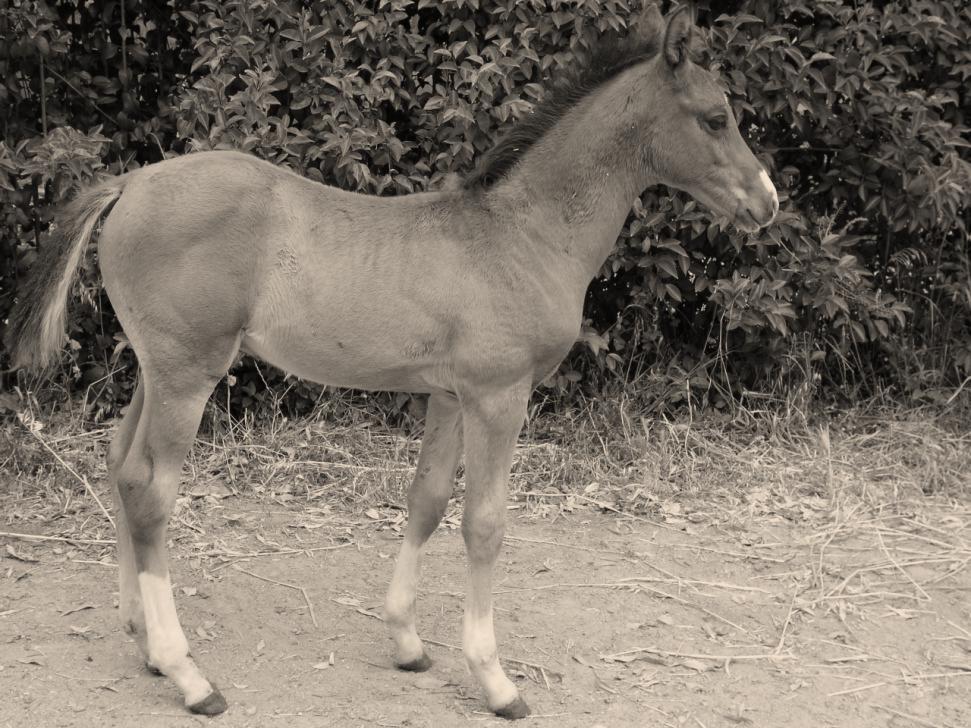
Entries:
{"x":35,"y":332}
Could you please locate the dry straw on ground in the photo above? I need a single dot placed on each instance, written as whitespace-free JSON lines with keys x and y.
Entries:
{"x":603,"y":455}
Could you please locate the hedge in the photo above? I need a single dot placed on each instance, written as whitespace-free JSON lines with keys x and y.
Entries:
{"x":859,"y":110}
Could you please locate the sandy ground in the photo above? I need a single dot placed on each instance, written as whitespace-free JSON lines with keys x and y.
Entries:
{"x":616,"y":622}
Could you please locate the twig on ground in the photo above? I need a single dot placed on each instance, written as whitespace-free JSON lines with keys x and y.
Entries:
{"x":90,"y":679}
{"x":897,"y":533}
{"x":306,"y":598}
{"x":616,"y":657}
{"x":79,"y":435}
{"x":905,"y":678}
{"x":959,"y":628}
{"x":928,"y":527}
{"x":282,"y":552}
{"x":908,"y":716}
{"x":693,"y":582}
{"x":806,"y":606}
{"x":157,"y":714}
{"x":608,"y":507}
{"x":838,"y":589}
{"x":686,"y":603}
{"x":628,"y":583}
{"x":695,"y":547}
{"x":63,"y":539}
{"x":599,"y":504}
{"x":72,"y":471}
{"x":956,"y":567}
{"x":883,"y":545}
{"x":561,"y":585}
{"x":785,"y":625}
{"x":565,"y":545}
{"x":514,"y":660}
{"x":191,"y":526}
{"x":382,"y":466}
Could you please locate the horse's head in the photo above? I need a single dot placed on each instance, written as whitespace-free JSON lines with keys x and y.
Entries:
{"x":687,"y":131}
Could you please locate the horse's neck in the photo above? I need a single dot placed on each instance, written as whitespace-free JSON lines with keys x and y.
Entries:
{"x":574,"y":190}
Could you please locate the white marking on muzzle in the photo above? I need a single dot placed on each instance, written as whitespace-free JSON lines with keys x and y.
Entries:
{"x":769,"y":187}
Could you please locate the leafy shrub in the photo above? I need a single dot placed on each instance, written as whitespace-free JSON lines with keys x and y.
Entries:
{"x":858,"y":109}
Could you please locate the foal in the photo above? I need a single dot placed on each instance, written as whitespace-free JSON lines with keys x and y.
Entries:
{"x":471,"y":295}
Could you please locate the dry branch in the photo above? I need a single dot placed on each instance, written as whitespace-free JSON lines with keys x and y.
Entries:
{"x":565,"y":545}
{"x":905,"y":678}
{"x":253,"y":554}
{"x":514,"y":660}
{"x":686,"y":603}
{"x":306,"y":598}
{"x":696,"y":547}
{"x":62,"y":539}
{"x":72,"y":471}
{"x":908,"y":716}
{"x":617,"y":656}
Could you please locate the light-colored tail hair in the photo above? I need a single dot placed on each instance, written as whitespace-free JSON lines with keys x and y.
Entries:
{"x":35,"y":333}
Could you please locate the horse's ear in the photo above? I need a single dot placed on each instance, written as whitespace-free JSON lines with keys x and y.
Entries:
{"x":648,"y":26}
{"x":677,"y":38}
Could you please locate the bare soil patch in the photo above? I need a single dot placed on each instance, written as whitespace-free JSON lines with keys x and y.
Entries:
{"x":604,"y":620}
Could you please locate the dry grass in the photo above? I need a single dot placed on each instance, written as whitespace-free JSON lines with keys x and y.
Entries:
{"x":603,"y":454}
{"x":759,"y":459}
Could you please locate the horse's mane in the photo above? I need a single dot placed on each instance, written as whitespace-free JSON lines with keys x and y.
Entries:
{"x":611,"y":55}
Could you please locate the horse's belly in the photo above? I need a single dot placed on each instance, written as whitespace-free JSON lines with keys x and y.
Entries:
{"x":340,"y":357}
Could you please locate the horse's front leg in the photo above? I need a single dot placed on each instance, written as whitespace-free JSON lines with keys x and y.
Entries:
{"x":427,"y":499}
{"x":491,"y":422}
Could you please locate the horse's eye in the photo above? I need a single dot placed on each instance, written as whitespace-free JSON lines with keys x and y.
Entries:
{"x":717,"y":122}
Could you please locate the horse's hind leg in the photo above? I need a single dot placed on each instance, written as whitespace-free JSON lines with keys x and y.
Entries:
{"x":427,"y":499}
{"x":148,"y":481}
{"x":129,"y":596}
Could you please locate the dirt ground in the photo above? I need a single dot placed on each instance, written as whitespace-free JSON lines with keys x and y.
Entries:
{"x":603,"y":620}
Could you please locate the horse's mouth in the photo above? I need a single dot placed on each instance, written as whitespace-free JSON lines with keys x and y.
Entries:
{"x":738,"y":214}
{"x":745,"y":221}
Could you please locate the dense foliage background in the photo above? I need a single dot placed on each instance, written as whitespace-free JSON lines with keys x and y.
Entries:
{"x":860,"y":110}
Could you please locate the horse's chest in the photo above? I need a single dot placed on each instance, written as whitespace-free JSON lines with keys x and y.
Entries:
{"x":552,"y":344}
{"x":545,"y":330}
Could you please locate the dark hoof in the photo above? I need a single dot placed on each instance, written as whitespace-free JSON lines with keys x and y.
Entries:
{"x":514,"y":711}
{"x":420,"y":665}
{"x":152,"y":669}
{"x":212,"y":704}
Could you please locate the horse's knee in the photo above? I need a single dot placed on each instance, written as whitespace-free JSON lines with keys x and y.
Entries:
{"x":483,"y":532}
{"x":425,"y":511}
{"x":133,"y":479}
{"x":146,"y":496}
